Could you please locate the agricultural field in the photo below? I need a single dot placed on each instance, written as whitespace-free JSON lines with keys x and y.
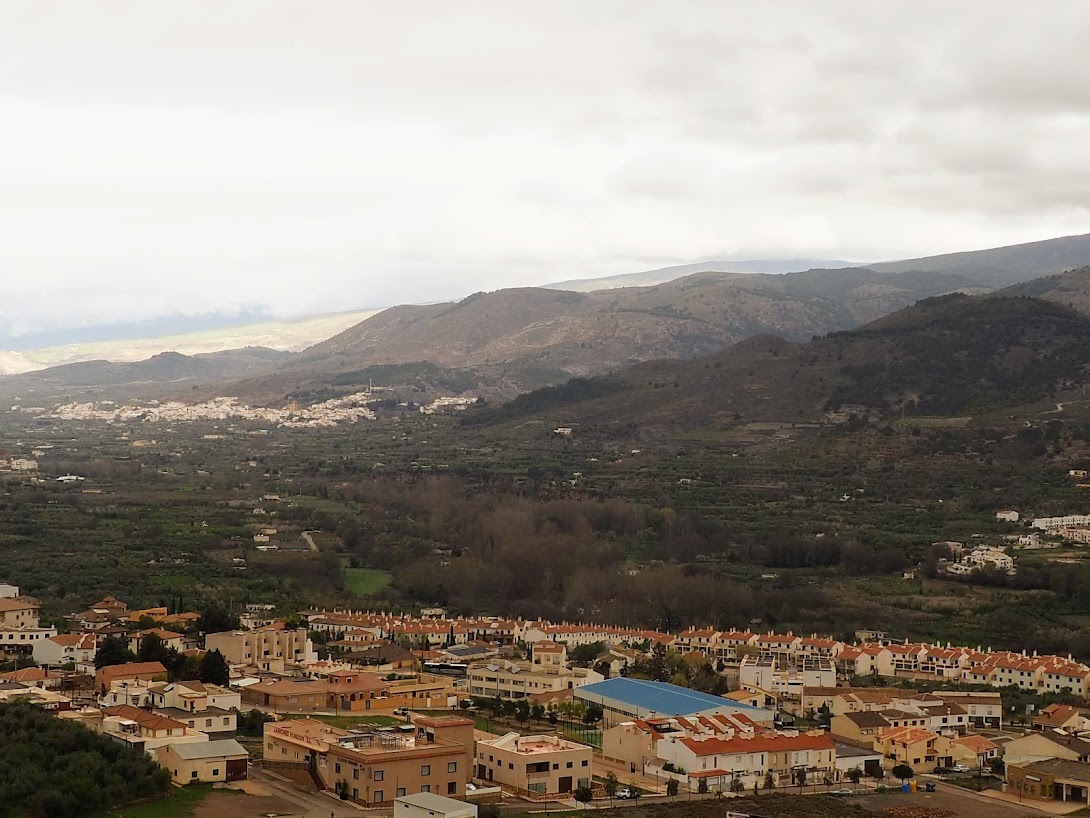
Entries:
{"x":812,"y":534}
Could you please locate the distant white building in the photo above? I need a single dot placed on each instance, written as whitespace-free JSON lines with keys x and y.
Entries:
{"x":1068,"y":521}
{"x":1007,"y":516}
{"x":8,"y":591}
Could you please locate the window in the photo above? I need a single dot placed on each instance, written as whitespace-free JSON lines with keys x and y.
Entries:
{"x":338,"y":767}
{"x":425,"y":769}
{"x":193,"y":774}
{"x":586,"y":763}
{"x":556,"y":766}
{"x":215,"y":772}
{"x":208,"y":722}
{"x":452,"y":788}
{"x":379,"y":796}
{"x":226,"y":721}
{"x":400,"y":791}
{"x":570,"y":764}
{"x":356,"y":773}
{"x":378,"y":775}
{"x":452,"y":767}
{"x":426,"y":788}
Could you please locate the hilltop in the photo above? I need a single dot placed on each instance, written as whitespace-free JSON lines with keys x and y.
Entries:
{"x":662,"y":275}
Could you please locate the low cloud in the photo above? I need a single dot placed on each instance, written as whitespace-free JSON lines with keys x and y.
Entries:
{"x":225,"y":155}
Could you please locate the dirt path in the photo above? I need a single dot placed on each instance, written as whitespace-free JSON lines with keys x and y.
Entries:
{"x":309,"y":540}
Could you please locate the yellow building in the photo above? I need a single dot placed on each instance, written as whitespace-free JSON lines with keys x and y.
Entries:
{"x":205,"y":762}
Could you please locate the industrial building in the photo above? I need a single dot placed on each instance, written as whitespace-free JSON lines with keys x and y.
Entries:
{"x":624,"y":699}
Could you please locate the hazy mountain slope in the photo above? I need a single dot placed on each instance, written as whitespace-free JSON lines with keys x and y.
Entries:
{"x":164,"y":368}
{"x":1071,"y":288}
{"x":286,"y":335}
{"x":949,"y":355}
{"x":650,"y":278}
{"x":12,"y":363}
{"x":544,"y":336}
{"x":1003,"y":266}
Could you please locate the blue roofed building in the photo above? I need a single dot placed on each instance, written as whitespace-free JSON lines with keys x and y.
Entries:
{"x":623,"y":699}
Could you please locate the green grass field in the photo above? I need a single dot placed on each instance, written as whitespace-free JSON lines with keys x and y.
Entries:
{"x":179,"y":802}
{"x":365,"y":581}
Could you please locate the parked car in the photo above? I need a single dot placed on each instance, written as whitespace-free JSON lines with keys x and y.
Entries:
{"x":625,"y":792}
{"x":959,"y":768}
{"x":845,"y":792}
{"x":401,"y":711}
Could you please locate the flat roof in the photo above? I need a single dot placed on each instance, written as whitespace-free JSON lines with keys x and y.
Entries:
{"x":662,"y":698}
{"x":851,"y":751}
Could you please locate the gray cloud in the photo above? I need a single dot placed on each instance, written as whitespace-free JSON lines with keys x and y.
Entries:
{"x":159,"y":157}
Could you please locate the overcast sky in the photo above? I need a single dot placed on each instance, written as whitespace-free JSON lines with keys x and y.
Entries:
{"x":163,"y":156}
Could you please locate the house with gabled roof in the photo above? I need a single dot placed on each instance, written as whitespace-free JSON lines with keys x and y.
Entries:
{"x":922,"y":750}
{"x":1061,"y":717}
{"x":78,"y":649}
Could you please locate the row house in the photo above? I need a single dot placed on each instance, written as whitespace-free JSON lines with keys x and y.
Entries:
{"x":696,"y":640}
{"x":635,"y":742}
{"x":750,"y":758}
{"x":785,"y":646}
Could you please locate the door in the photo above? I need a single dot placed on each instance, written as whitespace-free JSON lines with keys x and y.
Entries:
{"x":236,"y":769}
{"x":565,"y":784}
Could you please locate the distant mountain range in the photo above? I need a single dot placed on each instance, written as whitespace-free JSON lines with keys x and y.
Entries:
{"x":162,"y":369}
{"x":944,"y":356}
{"x":540,"y":336}
{"x":288,"y":335}
{"x":665,"y":274}
{"x":510,"y":341}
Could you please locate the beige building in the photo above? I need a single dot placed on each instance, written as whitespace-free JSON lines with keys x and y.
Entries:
{"x":19,"y":628}
{"x":143,"y":671}
{"x":204,"y":762}
{"x":517,"y":680}
{"x":535,"y":764}
{"x":920,"y":749}
{"x":432,"y":755}
{"x":272,"y":649}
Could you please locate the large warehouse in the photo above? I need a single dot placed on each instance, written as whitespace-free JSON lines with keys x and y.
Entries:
{"x":624,"y":699}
